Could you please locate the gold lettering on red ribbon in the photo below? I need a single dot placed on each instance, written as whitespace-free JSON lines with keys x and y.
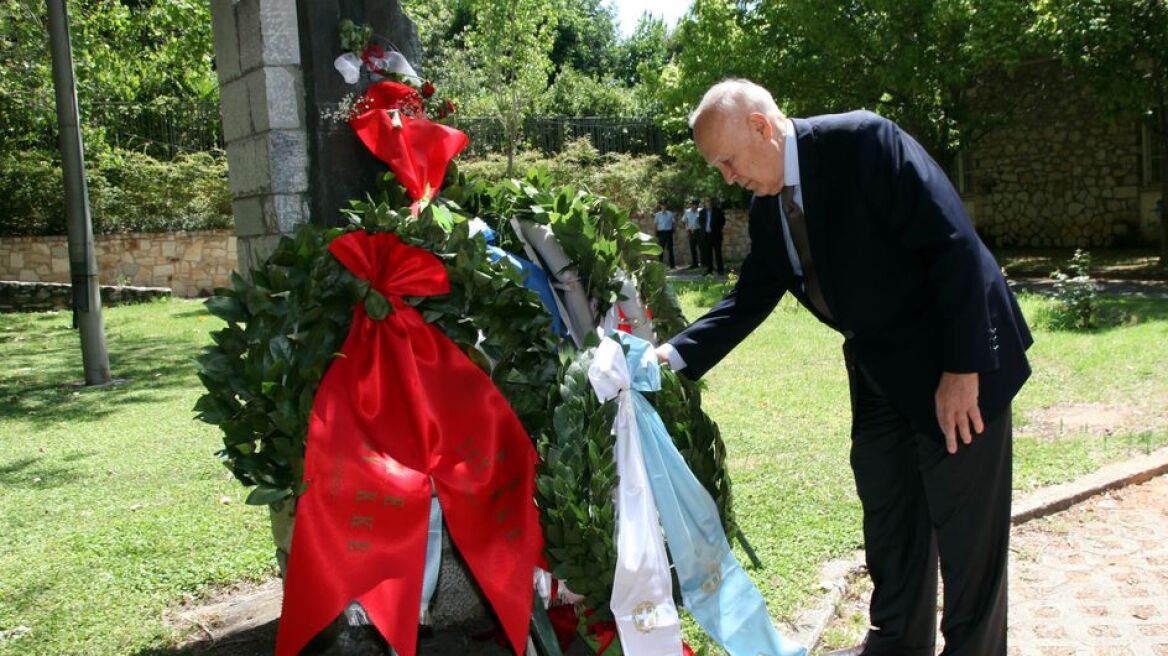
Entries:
{"x":393,"y":502}
{"x":366,"y":495}
{"x":361,"y":521}
{"x":358,"y":545}
{"x":506,"y":487}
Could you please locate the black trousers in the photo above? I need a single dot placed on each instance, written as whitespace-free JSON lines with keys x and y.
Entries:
{"x":695,"y":247}
{"x":665,"y":240}
{"x":712,"y":246}
{"x":922,"y":505}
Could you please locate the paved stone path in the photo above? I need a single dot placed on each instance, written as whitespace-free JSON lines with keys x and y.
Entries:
{"x":1093,"y":580}
{"x":1088,"y":581}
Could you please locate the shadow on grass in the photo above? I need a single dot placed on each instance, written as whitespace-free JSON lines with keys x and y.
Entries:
{"x":34,"y":473}
{"x":199,"y":310}
{"x":44,"y":385}
{"x":1137,"y":310}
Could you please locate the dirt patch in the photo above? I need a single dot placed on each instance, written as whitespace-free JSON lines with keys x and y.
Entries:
{"x":235,"y":621}
{"x":1091,"y":419}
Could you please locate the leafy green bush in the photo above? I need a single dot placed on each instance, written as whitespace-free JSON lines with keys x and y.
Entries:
{"x":1076,"y":299}
{"x":32,"y":197}
{"x":634,"y":182}
{"x":128,"y":192}
{"x":577,"y":94}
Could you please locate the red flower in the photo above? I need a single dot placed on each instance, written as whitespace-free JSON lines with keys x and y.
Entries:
{"x":394,"y":95}
{"x":427,"y":89}
{"x":449,"y":107}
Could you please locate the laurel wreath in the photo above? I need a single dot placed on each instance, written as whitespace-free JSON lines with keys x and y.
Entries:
{"x":288,"y":322}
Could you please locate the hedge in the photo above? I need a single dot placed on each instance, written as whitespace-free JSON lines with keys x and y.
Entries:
{"x":128,"y":192}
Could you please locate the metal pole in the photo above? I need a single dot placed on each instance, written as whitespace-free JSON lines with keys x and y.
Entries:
{"x":82,"y":260}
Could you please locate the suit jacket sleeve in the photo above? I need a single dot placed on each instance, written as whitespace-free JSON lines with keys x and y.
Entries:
{"x":706,"y":341}
{"x":912,"y":194}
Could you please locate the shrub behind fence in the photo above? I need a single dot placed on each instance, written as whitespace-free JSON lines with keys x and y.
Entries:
{"x":550,"y":134}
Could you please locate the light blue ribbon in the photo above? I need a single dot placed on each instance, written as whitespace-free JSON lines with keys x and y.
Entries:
{"x":433,"y":560}
{"x":714,"y":587}
{"x":534,"y":278}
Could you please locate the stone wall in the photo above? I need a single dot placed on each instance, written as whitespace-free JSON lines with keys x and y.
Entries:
{"x":1058,"y":174}
{"x":189,"y":263}
{"x":735,"y":239}
{"x":43,"y":296}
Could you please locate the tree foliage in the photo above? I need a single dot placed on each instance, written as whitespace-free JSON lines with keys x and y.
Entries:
{"x":145,"y":51}
{"x":915,"y":61}
{"x":1120,"y":48}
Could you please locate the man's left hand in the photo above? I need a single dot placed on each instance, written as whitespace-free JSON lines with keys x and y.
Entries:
{"x":957,"y":410}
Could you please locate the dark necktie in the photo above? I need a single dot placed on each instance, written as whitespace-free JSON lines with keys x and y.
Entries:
{"x":798,"y":227}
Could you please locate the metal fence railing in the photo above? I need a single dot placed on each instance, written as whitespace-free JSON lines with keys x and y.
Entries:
{"x":551,"y":133}
{"x":165,"y":131}
{"x":162,"y":131}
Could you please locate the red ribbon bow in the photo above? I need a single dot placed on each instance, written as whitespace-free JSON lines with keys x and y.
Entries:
{"x":393,"y":126}
{"x":403,"y":406}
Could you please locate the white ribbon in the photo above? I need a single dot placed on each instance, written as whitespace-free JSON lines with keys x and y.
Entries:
{"x":349,"y":66}
{"x":632,"y":308}
{"x":580,"y":317}
{"x":395,"y":62}
{"x":642,"y":590}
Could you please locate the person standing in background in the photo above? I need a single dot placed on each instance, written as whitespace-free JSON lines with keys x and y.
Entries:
{"x":713,"y":221}
{"x":663,"y":220}
{"x":693,"y":230}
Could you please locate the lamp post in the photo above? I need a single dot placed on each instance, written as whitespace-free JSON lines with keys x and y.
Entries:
{"x":82,"y":260}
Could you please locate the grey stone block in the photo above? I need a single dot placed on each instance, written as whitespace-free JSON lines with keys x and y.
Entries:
{"x":277,"y":98}
{"x":288,"y":155}
{"x":235,"y":107}
{"x":281,"y":37}
{"x":251,"y":46}
{"x":458,"y":599}
{"x":248,"y":166}
{"x":283,"y":212}
{"x":253,"y":251}
{"x":226,"y":39}
{"x":249,"y":217}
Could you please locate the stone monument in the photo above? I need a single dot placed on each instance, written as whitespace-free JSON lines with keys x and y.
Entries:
{"x":290,"y":162}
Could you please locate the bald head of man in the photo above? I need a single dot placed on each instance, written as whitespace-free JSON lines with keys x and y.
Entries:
{"x":739,"y":130}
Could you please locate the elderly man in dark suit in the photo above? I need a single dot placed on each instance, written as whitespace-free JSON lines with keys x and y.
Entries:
{"x":853,"y":217}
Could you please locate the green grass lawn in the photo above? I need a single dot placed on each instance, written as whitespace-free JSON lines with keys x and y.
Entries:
{"x":113,"y":506}
{"x":111,"y":510}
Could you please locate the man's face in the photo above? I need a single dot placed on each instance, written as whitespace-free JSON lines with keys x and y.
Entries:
{"x":744,"y":147}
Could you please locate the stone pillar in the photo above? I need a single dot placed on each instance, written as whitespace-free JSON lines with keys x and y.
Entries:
{"x":257,"y":54}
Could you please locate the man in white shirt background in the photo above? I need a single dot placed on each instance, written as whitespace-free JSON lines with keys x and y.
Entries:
{"x":663,"y":220}
{"x":692,"y":218}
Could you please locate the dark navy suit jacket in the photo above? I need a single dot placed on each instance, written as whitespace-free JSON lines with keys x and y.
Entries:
{"x":908,"y":282}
